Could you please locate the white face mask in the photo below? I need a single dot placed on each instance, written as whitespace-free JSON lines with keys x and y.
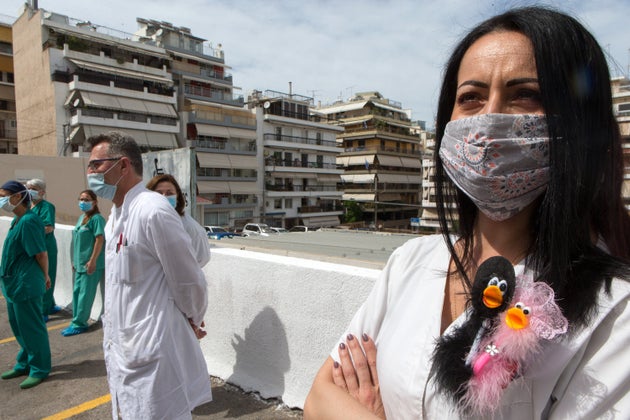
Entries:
{"x":5,"y":203}
{"x":500,"y":161}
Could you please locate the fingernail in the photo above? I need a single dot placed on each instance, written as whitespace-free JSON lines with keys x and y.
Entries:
{"x":336,"y":364}
{"x":342,"y":346}
{"x":365,"y":337}
{"x":350,"y":337}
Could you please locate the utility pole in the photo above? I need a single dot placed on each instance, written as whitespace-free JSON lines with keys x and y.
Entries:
{"x":375,"y":201}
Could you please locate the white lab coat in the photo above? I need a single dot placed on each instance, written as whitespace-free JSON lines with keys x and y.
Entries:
{"x":153,"y":284}
{"x":199,"y":239}
{"x":583,"y":376}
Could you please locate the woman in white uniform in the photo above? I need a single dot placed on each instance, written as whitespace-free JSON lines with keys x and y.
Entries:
{"x":531,"y":152}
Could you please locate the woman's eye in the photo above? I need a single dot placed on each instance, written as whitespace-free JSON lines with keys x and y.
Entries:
{"x":528,"y":94}
{"x":467,"y":97}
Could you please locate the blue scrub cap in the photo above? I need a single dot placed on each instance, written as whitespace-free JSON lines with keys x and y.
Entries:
{"x":16,"y":187}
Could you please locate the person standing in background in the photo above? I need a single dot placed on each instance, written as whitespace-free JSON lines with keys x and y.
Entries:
{"x":155,"y":293}
{"x":167,"y":186}
{"x":46,"y":211}
{"x":88,"y":261}
{"x":24,"y":279}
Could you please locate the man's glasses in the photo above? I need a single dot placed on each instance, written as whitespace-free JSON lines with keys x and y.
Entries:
{"x":96,"y":163}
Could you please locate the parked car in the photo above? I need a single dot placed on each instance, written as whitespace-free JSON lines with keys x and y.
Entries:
{"x":278,"y":229}
{"x":257,"y":229}
{"x":217,"y":232}
{"x":300,"y":229}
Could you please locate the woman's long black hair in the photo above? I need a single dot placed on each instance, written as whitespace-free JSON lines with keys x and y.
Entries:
{"x":583,"y":200}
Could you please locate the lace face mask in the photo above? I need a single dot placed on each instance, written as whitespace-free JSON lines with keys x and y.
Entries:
{"x":500,"y":161}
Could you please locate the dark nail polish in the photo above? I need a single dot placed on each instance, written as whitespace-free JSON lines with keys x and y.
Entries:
{"x":350,"y":337}
{"x":342,"y":346}
{"x":336,"y":364}
{"x":365,"y":337}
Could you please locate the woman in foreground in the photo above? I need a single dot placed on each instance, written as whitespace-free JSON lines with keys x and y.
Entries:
{"x":531,"y":152}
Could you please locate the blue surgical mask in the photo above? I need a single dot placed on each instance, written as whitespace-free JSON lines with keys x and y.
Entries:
{"x":85,"y":205}
{"x":96,"y":182}
{"x":34,"y":194}
{"x":172,"y":199}
{"x":6,"y":205}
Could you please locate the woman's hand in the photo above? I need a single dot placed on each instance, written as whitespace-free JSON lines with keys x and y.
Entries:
{"x":359,"y":379}
{"x":90,"y":267}
{"x":48,"y":282}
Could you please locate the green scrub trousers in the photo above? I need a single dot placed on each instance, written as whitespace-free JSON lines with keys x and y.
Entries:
{"x":30,"y":331}
{"x":83,"y":294}
{"x":46,"y":211}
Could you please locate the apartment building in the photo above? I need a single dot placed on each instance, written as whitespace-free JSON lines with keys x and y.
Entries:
{"x":213,"y":121}
{"x":621,"y":108}
{"x":8,"y":122}
{"x":381,"y":158}
{"x":299,"y":157}
{"x":75,"y":79}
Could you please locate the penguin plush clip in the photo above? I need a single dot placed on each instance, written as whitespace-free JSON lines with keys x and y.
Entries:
{"x":491,"y":293}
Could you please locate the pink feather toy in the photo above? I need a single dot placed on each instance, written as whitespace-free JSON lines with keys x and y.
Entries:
{"x":533,"y":318}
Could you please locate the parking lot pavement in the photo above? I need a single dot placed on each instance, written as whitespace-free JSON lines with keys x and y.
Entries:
{"x":77,"y":386}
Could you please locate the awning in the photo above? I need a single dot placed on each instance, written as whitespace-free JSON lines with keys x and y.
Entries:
{"x":243,"y":187}
{"x":329,"y":177}
{"x":152,"y":139}
{"x":360,"y":160}
{"x":243,"y":162}
{"x":357,"y":178}
{"x":393,"y":178}
{"x":411,"y":162}
{"x":321,"y":221}
{"x":415,"y":179}
{"x":120,"y":103}
{"x":211,"y":187}
{"x":212,"y":130}
{"x":213,"y":160}
{"x":358,"y":197}
{"x":429,"y":214}
{"x":389,"y":160}
{"x":293,"y":175}
{"x":241,"y":133}
{"x":120,"y":72}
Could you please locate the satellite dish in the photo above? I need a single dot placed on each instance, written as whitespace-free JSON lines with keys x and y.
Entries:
{"x":76,"y":102}
{"x":159,"y":32}
{"x":267,"y":104}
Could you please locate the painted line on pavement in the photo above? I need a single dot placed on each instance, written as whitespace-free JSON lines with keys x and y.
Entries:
{"x":54,"y":327}
{"x":86,"y":406}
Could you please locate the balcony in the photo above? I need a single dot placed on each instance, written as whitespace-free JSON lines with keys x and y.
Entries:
{"x":274,"y":163}
{"x":205,"y":93}
{"x":270,"y":138}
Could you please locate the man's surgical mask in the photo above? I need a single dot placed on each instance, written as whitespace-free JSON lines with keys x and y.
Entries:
{"x":500,"y":161}
{"x":34,"y":194}
{"x":96,"y":182}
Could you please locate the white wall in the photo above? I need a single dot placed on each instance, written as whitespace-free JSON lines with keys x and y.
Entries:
{"x":271,"y":320}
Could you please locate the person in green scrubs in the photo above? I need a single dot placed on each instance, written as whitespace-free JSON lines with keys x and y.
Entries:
{"x":46,"y":211}
{"x":24,"y":279}
{"x":88,"y":261}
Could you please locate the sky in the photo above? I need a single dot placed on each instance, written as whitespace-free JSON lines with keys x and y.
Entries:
{"x":330,"y":49}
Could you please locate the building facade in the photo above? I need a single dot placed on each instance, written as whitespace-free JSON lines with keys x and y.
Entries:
{"x":74,"y":79}
{"x":8,"y":121}
{"x":214,"y":121}
{"x":621,"y":108}
{"x":381,"y":159}
{"x":299,"y":153}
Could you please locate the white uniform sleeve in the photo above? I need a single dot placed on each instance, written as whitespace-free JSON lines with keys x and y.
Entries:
{"x":599,"y":386}
{"x":184,"y":277}
{"x":199,"y":239}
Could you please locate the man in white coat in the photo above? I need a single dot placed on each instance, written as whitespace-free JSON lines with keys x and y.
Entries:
{"x":155,"y":292}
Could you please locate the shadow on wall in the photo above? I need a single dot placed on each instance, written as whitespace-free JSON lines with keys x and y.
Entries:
{"x":262,"y":360}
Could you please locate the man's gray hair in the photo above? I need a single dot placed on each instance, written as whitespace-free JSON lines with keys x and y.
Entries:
{"x":36,"y":182}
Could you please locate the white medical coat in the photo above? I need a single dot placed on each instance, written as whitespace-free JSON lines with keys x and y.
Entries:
{"x":153,"y":284}
{"x":199,"y":239}
{"x":584,"y":376}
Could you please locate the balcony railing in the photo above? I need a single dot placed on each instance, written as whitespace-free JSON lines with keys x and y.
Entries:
{"x":296,"y":163}
{"x":300,"y":140}
{"x":323,"y":208}
{"x":300,"y":188}
{"x":212,"y":94}
{"x":383,"y":149}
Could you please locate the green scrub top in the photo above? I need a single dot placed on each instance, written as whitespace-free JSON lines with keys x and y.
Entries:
{"x":46,"y":211}
{"x":21,"y":277}
{"x":83,"y":237}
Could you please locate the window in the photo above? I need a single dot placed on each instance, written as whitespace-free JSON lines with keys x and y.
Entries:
{"x":319,"y":138}
{"x":278,"y":133}
{"x":277,"y":204}
{"x":288,"y":203}
{"x":10,"y":78}
{"x":320,"y":161}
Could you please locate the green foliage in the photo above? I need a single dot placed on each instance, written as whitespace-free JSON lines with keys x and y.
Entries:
{"x":353,"y":212}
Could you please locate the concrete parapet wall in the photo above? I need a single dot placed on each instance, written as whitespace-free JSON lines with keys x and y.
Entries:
{"x":271,"y":320}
